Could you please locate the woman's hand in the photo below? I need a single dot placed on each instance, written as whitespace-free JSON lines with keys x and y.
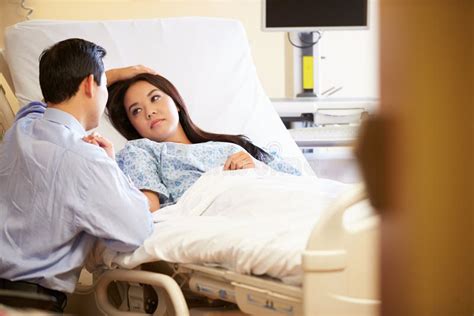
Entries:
{"x":102,"y":142}
{"x":117,"y":74}
{"x":240,"y":160}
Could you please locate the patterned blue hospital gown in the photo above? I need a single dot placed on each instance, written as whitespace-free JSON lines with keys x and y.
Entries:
{"x":169,"y":169}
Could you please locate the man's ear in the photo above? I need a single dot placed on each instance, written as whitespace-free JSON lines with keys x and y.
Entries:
{"x":89,"y":85}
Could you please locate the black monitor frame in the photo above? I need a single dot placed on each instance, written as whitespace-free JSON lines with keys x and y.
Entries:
{"x":311,"y":28}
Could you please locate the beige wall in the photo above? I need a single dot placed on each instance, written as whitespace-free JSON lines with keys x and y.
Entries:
{"x":268,"y":48}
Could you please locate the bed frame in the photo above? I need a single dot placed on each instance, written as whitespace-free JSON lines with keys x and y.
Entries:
{"x":340,"y":276}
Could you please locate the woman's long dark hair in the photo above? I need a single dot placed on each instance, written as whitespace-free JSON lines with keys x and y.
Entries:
{"x":115,"y":110}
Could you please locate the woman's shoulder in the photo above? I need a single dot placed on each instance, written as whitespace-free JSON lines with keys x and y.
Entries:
{"x":143,"y":143}
{"x":221,"y":144}
{"x":139,"y":145}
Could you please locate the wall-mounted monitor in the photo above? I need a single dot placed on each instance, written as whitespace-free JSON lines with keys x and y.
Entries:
{"x":314,"y":15}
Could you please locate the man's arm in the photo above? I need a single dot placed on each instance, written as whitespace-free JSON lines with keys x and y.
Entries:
{"x":114,"y":210}
{"x":153,"y":200}
{"x":104,"y":143}
{"x":117,"y":74}
{"x":113,"y":75}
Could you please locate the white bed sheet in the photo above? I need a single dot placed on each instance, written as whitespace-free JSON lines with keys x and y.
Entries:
{"x":253,"y":221}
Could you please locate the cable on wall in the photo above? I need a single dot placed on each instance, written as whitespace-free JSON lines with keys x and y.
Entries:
{"x":24,"y":7}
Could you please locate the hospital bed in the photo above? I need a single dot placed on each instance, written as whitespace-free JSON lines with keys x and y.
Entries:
{"x":210,"y":62}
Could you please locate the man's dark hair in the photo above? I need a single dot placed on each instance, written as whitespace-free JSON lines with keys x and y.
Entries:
{"x":63,"y":67}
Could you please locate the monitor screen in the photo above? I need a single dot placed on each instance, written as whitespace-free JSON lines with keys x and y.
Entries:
{"x":312,"y":15}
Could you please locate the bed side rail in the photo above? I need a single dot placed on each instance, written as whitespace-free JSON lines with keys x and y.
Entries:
{"x":340,"y":262}
{"x":161,"y":283}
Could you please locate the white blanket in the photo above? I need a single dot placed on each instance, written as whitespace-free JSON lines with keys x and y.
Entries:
{"x":253,"y":221}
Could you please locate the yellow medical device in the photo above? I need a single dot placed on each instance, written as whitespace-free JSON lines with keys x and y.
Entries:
{"x":308,"y":82}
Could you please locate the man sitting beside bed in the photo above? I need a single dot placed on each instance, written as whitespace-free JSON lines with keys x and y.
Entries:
{"x":59,"y":192}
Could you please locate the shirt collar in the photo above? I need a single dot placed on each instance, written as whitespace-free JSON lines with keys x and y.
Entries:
{"x":66,"y":119}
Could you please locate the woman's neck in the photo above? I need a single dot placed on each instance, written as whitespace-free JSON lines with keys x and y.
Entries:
{"x":179,"y":137}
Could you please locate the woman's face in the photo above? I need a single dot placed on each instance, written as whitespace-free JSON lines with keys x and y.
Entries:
{"x":152,"y":112}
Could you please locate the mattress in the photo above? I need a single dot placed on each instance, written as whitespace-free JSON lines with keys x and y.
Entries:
{"x":248,"y":221}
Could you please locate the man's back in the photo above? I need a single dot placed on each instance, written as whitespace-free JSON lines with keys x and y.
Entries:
{"x":58,"y":195}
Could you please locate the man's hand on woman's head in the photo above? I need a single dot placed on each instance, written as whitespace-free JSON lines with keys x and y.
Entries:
{"x":240,"y":160}
{"x":102,"y":142}
{"x":117,"y":74}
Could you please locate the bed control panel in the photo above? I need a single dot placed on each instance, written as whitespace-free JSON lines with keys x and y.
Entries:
{"x":212,"y":288}
{"x":142,"y":298}
{"x":257,"y":301}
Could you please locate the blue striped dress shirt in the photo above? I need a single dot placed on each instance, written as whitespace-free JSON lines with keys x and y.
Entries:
{"x":58,"y":196}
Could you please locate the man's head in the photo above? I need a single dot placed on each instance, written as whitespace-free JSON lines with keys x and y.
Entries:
{"x":72,"y":66}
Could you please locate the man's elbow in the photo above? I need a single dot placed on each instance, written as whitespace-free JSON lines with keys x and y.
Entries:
{"x":153,"y":200}
{"x":154,"y":209}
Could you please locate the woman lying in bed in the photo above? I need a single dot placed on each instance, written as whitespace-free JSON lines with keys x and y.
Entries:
{"x":167,"y":152}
